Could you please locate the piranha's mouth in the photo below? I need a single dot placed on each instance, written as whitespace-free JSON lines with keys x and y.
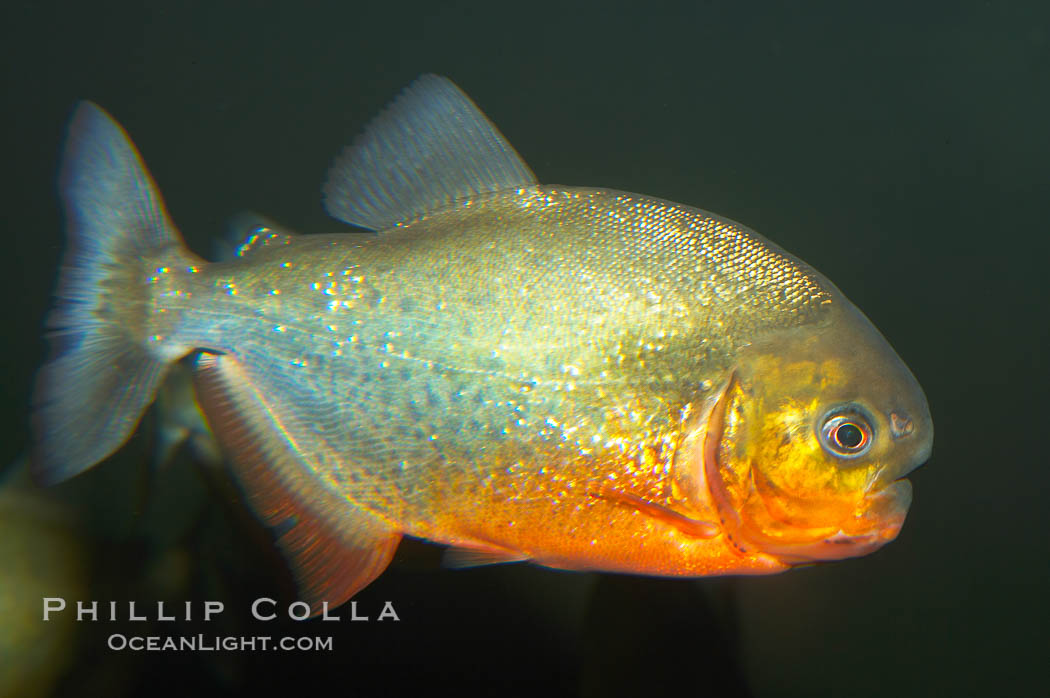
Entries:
{"x":876,"y":519}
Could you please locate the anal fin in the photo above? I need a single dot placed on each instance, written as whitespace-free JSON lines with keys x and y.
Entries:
{"x":334,"y":547}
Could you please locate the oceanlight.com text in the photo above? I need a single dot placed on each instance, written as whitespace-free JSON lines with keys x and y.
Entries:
{"x":217,"y":643}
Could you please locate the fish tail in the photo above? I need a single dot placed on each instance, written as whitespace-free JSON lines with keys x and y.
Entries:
{"x":108,"y":357}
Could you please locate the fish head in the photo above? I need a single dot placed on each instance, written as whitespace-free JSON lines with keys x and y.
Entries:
{"x":808,"y":441}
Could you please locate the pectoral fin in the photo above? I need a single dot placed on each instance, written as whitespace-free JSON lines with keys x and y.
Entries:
{"x":684,"y":523}
{"x":334,"y":547}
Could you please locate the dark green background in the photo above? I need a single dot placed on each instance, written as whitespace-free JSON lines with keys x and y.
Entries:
{"x":901,"y":148}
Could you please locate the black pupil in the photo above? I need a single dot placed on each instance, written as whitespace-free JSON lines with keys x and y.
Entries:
{"x":849,"y":435}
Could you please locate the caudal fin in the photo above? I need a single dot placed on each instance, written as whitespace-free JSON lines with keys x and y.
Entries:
{"x":102,"y":373}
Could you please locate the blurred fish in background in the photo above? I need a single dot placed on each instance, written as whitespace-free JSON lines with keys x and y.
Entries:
{"x":44,"y":555}
{"x":161,"y":524}
{"x":180,"y":421}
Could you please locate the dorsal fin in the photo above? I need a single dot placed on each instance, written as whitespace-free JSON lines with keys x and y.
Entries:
{"x":431,"y":146}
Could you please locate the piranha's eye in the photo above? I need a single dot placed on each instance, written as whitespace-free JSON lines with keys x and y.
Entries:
{"x":846,"y":433}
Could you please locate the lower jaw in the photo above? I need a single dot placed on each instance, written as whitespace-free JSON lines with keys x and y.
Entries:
{"x":836,"y":547}
{"x":876,"y":524}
